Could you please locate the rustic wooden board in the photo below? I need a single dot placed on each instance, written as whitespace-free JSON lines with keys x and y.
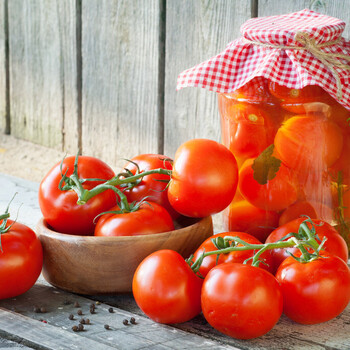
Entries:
{"x":120,"y":50}
{"x":195,"y":31}
{"x":2,"y":68}
{"x":285,"y":335}
{"x":18,"y":318}
{"x":335,"y":8}
{"x":42,"y":71}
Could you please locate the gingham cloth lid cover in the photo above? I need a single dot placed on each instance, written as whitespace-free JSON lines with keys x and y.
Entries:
{"x":270,"y":58}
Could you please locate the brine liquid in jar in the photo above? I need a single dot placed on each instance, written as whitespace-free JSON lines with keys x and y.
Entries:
{"x":293,"y":151}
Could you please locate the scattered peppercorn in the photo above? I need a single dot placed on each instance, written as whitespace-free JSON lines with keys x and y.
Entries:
{"x":36,"y":309}
{"x":82,"y":321}
{"x":71,"y":317}
{"x":132,"y":320}
{"x":75,"y":329}
{"x":107,"y":326}
{"x":79,"y":312}
{"x":110,"y":310}
{"x":87,"y":321}
{"x":92,"y":305}
{"x":76,"y":304}
{"x":80,"y":327}
{"x":125,"y":322}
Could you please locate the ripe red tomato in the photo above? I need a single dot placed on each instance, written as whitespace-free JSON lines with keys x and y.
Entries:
{"x":204,"y":178}
{"x":245,"y":217}
{"x":309,"y":143}
{"x":60,"y":208}
{"x":293,"y":100}
{"x":21,"y":260}
{"x":276,"y":194}
{"x":149,"y":218}
{"x":237,"y":257}
{"x":251,"y":130}
{"x":335,"y":243}
{"x":166,"y":289}
{"x":316,"y":291}
{"x":295,"y":211}
{"x":151,"y":186}
{"x":241,"y":301}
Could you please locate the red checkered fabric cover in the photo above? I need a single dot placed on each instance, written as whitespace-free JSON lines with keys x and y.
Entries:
{"x":273,"y":56}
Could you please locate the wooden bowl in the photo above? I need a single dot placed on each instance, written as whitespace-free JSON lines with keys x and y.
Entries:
{"x":106,"y":265}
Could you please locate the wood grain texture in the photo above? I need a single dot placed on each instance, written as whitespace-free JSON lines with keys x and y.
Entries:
{"x":2,"y":69}
{"x":195,"y":31}
{"x":120,"y":50}
{"x":145,"y":334}
{"x":42,"y":77}
{"x":106,"y":265}
{"x":335,"y":8}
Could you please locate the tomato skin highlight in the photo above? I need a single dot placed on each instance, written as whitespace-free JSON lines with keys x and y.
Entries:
{"x":150,"y":185}
{"x":241,"y":301}
{"x":335,"y":243}
{"x":234,"y":257}
{"x":60,"y":209}
{"x":151,"y":218}
{"x":166,"y":289}
{"x":204,"y":178}
{"x":316,"y":291}
{"x":21,"y":260}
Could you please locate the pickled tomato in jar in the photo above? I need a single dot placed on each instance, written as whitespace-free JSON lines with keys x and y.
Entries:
{"x":293,"y":150}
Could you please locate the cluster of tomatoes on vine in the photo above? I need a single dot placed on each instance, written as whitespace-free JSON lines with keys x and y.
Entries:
{"x":241,"y":285}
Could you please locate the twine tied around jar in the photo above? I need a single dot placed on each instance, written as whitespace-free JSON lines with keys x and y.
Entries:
{"x":330,"y":60}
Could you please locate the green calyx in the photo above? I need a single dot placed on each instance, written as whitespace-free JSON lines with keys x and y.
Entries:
{"x":4,"y":217}
{"x":305,"y":240}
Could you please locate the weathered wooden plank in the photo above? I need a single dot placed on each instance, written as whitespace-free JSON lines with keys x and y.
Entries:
{"x":42,"y":70}
{"x":335,"y":8}
{"x":285,"y":335}
{"x":59,"y":305}
{"x":120,"y":53}
{"x":2,"y":68}
{"x":196,"y":31}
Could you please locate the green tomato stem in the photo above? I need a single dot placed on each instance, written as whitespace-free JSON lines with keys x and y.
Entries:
{"x":4,"y":216}
{"x":85,"y":195}
{"x":308,"y":240}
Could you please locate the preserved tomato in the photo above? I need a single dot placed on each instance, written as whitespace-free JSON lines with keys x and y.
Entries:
{"x":292,"y":148}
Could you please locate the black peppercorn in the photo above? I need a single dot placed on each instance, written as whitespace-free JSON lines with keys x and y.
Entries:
{"x":132,"y":320}
{"x":87,"y":321}
{"x":107,"y":326}
{"x":80,"y":327}
{"x":36,"y":309}
{"x":75,"y":329}
{"x":110,"y":310}
{"x":125,"y":322}
{"x":71,"y":317}
{"x":76,"y":304}
{"x":82,"y":321}
{"x":79,"y":312}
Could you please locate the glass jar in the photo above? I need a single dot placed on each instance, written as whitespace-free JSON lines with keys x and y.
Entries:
{"x":293,"y":151}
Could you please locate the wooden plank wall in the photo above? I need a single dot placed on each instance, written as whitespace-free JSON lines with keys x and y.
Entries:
{"x":100,"y":75}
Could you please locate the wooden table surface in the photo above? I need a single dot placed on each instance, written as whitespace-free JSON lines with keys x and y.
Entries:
{"x":23,"y":328}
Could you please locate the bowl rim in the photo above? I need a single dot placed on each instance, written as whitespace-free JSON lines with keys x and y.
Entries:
{"x":43,"y":229}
